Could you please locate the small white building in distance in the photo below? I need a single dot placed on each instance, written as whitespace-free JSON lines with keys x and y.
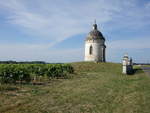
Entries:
{"x":95,"y":46}
{"x":127,"y":65}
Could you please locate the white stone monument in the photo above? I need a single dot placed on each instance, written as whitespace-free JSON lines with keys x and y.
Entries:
{"x":127,"y":65}
{"x":95,"y":46}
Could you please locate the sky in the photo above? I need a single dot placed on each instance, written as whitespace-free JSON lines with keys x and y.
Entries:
{"x":55,"y":30}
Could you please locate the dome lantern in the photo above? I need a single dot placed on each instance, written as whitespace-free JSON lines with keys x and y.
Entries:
{"x":95,"y":25}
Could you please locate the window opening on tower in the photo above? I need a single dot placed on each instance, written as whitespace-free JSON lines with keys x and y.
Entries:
{"x":91,"y":50}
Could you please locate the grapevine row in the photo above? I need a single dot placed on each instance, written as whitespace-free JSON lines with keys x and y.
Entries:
{"x":12,"y":73}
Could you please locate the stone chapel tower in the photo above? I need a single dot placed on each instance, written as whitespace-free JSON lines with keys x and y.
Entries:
{"x":95,"y":46}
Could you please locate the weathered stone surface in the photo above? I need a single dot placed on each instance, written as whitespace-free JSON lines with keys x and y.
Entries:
{"x":127,"y":65}
{"x":95,"y":46}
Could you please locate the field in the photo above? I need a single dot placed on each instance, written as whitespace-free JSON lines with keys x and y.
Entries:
{"x":93,"y":88}
{"x":146,"y":65}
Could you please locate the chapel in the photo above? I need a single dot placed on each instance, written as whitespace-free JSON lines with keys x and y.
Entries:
{"x":95,"y":46}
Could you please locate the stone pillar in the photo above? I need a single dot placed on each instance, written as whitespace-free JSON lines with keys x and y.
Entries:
{"x":124,"y":68}
{"x":127,"y":65}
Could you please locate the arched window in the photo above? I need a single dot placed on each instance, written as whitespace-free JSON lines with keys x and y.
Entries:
{"x":91,"y":50}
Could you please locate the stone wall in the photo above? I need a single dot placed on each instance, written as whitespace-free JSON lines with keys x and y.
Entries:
{"x":98,"y":51}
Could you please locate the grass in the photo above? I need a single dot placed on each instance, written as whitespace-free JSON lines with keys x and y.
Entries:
{"x":94,"y":88}
{"x":146,"y":65}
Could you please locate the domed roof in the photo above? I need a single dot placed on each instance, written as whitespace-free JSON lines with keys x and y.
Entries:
{"x":126,"y":56}
{"x":95,"y":34}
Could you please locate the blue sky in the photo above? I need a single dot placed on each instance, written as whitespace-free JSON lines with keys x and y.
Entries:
{"x":55,"y":30}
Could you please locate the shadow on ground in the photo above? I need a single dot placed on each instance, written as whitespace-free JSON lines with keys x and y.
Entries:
{"x":136,"y":70}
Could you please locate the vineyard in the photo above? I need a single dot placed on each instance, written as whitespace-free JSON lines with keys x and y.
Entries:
{"x":26,"y":73}
{"x":92,"y":88}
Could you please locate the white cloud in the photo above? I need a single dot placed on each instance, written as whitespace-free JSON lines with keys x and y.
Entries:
{"x":60,"y":19}
{"x":147,"y":5}
{"x":28,"y":52}
{"x":137,"y":43}
{"x":138,"y":48}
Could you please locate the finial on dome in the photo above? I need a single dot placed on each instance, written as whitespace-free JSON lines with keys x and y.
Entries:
{"x":95,"y":21}
{"x":95,"y":25}
{"x":126,"y":54}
